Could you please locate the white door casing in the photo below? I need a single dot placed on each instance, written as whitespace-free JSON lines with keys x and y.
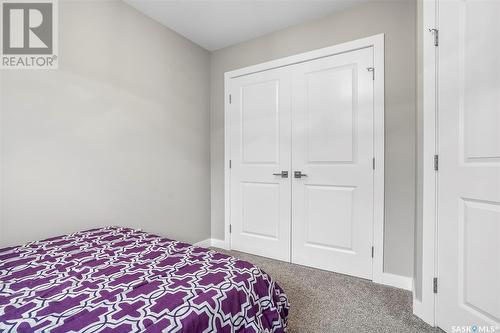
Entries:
{"x":260,"y":151}
{"x":469,"y":165}
{"x":332,"y":143}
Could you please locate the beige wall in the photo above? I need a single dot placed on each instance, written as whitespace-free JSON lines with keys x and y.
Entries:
{"x":119,"y":135}
{"x":397,"y":19}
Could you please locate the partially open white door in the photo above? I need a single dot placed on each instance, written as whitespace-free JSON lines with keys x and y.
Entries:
{"x":468,"y":298}
{"x":260,"y":163}
{"x":332,"y":160}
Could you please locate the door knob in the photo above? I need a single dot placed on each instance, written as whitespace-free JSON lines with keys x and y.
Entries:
{"x":283,"y":174}
{"x":299,"y":174}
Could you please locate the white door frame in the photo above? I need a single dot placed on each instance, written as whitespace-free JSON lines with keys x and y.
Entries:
{"x":425,"y":308}
{"x":377,"y":42}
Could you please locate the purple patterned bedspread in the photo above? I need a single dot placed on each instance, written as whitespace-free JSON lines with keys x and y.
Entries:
{"x":124,"y":280}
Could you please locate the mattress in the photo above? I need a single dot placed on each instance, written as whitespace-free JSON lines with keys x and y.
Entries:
{"x":124,"y":280}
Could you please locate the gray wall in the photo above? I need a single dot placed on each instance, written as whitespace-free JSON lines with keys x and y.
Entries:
{"x":119,"y":135}
{"x":397,"y":19}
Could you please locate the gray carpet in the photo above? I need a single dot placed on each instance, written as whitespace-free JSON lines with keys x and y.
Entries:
{"x":326,"y":302}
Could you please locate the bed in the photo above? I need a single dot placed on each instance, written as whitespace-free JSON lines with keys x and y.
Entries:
{"x":124,"y":280}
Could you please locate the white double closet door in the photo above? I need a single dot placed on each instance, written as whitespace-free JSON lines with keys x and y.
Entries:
{"x":301,"y":150}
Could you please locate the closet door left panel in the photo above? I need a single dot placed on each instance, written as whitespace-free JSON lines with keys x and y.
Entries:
{"x":259,"y":116}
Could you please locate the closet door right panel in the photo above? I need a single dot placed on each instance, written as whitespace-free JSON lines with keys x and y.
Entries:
{"x":332,"y":162}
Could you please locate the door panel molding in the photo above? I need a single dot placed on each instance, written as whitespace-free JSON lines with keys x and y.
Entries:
{"x":375,"y":42}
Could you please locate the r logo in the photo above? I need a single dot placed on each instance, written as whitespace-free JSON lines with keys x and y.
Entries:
{"x":27,"y":28}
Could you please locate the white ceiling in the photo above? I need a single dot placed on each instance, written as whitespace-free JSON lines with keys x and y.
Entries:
{"x":214,"y":24}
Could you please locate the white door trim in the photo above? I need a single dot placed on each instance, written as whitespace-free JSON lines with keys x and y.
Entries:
{"x":377,"y":42}
{"x":425,"y":307}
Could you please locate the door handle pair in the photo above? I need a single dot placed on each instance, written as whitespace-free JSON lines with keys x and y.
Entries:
{"x":296,"y":174}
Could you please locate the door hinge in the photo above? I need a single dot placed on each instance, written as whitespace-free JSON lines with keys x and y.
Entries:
{"x":230,"y":164}
{"x":372,"y":70}
{"x":435,"y":285}
{"x":373,"y":163}
{"x":230,"y":99}
{"x":373,"y":250}
{"x":436,"y":162}
{"x":435,"y":32}
{"x":230,"y":228}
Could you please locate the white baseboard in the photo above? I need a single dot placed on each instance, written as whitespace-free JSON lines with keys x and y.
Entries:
{"x":212,"y":242}
{"x":398,"y":281}
{"x":204,"y":243}
{"x":221,"y":244}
